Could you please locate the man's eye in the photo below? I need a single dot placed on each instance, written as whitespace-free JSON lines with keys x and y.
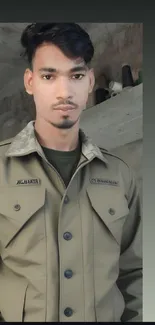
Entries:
{"x":47,"y":77}
{"x":78,"y":76}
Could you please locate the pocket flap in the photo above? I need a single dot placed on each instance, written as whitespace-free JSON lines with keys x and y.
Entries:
{"x":111,"y":206}
{"x":17,"y":205}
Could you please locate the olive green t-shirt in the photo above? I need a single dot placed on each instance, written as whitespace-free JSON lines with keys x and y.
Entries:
{"x":65,"y":162}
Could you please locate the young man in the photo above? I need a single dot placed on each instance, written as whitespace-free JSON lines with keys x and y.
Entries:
{"x":70,"y":239}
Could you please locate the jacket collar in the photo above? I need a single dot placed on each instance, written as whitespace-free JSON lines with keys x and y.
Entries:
{"x":25,"y":142}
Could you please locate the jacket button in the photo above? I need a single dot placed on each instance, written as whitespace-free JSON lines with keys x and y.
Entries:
{"x":68,"y":274}
{"x":67,"y":235}
{"x":68,"y":312}
{"x":112,"y":211}
{"x":66,"y":199}
{"x":17,"y":207}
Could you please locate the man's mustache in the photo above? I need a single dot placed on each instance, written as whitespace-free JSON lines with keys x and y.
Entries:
{"x":64,"y":102}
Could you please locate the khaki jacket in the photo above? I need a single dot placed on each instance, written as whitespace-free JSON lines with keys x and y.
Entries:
{"x":68,"y":254}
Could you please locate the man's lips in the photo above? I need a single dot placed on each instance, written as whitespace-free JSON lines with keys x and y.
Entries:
{"x":65,"y":107}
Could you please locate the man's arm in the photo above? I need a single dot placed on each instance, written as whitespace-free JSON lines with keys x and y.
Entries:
{"x":130,"y":276}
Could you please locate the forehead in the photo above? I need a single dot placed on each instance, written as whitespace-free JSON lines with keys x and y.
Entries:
{"x":49,"y":55}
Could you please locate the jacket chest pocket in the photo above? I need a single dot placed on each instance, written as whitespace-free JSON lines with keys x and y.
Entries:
{"x":110,"y":205}
{"x":18,"y":207}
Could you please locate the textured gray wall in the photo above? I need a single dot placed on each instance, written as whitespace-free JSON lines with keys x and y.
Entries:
{"x":116,"y":121}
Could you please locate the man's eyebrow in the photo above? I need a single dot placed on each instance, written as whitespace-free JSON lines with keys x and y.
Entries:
{"x":74,"y":69}
{"x":47,"y":70}
{"x":79,"y":68}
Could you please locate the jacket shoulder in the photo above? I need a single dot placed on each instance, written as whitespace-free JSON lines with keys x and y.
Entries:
{"x":5,"y":142}
{"x":113,"y":156}
{"x":4,"y":146}
{"x":120,"y":165}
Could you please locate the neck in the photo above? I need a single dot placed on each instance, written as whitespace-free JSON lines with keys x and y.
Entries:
{"x":55,"y":138}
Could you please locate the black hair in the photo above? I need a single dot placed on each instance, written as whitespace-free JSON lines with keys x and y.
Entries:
{"x":72,"y":40}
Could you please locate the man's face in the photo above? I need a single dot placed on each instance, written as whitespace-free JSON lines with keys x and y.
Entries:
{"x":60,"y":86}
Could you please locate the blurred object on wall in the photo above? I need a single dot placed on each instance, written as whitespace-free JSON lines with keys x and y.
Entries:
{"x":127,"y":78}
{"x":115,"y":88}
{"x":106,"y":89}
{"x":101,"y":94}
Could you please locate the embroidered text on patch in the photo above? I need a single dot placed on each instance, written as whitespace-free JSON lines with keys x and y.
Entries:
{"x":104,"y":181}
{"x":32,"y":181}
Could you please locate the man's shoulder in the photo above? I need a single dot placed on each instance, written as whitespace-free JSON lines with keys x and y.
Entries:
{"x":120,"y":167}
{"x":112,"y":157}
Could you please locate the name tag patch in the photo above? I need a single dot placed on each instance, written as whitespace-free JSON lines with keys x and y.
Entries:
{"x":103,"y":181}
{"x":32,"y":181}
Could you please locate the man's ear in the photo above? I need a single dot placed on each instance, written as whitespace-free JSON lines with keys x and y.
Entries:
{"x":28,"y":81}
{"x":92,"y":80}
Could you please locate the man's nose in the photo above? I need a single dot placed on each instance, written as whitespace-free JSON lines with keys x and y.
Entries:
{"x":63,"y":90}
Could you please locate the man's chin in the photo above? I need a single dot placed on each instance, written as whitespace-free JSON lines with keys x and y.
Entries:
{"x":64,"y":125}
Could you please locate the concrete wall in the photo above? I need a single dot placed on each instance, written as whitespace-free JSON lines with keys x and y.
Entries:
{"x":117,"y":121}
{"x":15,"y":112}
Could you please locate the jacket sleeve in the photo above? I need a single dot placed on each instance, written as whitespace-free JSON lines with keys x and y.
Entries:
{"x":130,"y":273}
